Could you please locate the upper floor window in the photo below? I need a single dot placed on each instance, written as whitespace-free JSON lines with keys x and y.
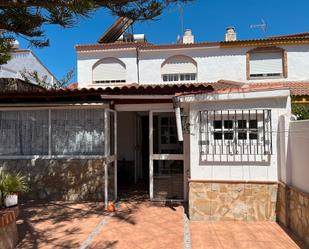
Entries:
{"x":267,"y":62}
{"x":179,"y":68}
{"x":109,"y":70}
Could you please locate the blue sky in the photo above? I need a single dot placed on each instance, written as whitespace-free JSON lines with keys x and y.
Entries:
{"x":207,"y":18}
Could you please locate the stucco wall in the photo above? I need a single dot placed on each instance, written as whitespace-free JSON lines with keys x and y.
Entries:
{"x":236,"y":168}
{"x":25,"y":60}
{"x":297,"y":155}
{"x":85,"y":62}
{"x":214,"y":63}
{"x":60,"y":179}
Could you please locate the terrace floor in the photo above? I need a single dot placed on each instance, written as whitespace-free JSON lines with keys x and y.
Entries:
{"x":138,"y":224}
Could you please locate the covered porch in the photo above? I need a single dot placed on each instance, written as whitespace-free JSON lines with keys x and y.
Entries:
{"x":97,"y":143}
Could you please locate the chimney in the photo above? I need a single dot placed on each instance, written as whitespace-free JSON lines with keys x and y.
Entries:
{"x":230,"y":34}
{"x":188,"y":38}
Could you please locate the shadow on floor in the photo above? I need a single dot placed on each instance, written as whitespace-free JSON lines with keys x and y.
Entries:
{"x":38,"y":220}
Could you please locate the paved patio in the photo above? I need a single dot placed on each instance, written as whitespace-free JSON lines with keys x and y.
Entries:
{"x":241,"y":235}
{"x":138,"y":224}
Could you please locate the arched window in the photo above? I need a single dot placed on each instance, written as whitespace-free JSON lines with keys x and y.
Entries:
{"x":266,"y":62}
{"x":109,"y":70}
{"x":179,"y":68}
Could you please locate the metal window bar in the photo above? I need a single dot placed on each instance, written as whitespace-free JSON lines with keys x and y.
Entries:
{"x":252,"y":134}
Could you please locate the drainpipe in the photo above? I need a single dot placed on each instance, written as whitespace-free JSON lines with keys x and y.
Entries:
{"x":137,"y":62}
{"x":178,"y":118}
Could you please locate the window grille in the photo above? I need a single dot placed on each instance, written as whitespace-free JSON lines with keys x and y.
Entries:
{"x":235,"y":132}
{"x":179,"y":77}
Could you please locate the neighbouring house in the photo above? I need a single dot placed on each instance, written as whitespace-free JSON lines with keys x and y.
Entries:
{"x":189,"y":121}
{"x":24,"y":60}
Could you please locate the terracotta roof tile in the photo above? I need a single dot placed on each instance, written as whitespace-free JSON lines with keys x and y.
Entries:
{"x":297,"y":88}
{"x":300,"y":38}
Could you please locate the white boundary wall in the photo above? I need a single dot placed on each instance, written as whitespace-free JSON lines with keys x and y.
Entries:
{"x":298,"y":155}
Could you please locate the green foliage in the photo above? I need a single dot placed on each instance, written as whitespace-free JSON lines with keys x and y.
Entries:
{"x":57,"y":84}
{"x":5,"y":48}
{"x":301,"y":111}
{"x":26,"y":18}
{"x":11,"y":183}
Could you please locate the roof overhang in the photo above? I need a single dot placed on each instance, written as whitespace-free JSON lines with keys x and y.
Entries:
{"x":242,"y":94}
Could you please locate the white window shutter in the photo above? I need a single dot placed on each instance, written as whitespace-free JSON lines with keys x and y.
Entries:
{"x":109,"y":69}
{"x":179,"y":65}
{"x":266,"y":63}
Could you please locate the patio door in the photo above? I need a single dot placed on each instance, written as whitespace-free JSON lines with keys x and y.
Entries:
{"x":166,"y":159}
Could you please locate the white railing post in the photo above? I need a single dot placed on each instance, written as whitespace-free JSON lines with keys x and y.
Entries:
{"x":150,"y":155}
{"x":115,"y":153}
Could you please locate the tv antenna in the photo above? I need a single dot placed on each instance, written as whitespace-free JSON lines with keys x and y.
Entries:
{"x":263,"y":26}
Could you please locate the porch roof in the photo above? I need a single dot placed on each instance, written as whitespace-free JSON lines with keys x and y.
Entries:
{"x":94,"y":94}
{"x":151,"y":92}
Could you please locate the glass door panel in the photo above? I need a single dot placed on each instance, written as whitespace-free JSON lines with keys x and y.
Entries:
{"x":166,"y":157}
{"x":168,"y":179}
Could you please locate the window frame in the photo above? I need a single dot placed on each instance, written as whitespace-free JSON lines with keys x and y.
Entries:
{"x":181,"y":77}
{"x":271,"y":49}
{"x":108,"y":81}
{"x":214,"y":142}
{"x":102,"y":107}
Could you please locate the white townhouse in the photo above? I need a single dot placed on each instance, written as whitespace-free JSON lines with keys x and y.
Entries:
{"x":196,"y":122}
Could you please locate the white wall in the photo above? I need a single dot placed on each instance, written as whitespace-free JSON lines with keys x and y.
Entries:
{"x":214,"y":63}
{"x":298,"y":155}
{"x":266,"y":168}
{"x":25,"y":60}
{"x":86,"y":60}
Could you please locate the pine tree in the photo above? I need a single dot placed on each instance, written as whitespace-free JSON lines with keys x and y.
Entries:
{"x":26,"y":18}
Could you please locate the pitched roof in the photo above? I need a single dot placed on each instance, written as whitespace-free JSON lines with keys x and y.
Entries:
{"x":301,"y":38}
{"x":297,"y":88}
{"x":302,"y":34}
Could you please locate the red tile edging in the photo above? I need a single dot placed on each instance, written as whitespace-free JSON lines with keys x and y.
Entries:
{"x":8,"y":215}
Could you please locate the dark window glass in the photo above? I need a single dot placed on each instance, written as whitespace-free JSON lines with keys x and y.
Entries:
{"x":182,"y":77}
{"x":253,"y":124}
{"x":228,"y":135}
{"x":218,"y":135}
{"x":217,"y":124}
{"x":164,"y":77}
{"x":242,"y":135}
{"x":253,"y":136}
{"x":188,"y":77}
{"x":193,"y":76}
{"x":228,"y":124}
{"x":242,"y":124}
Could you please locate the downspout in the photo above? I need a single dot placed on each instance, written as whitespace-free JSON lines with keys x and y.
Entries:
{"x":137,"y":62}
{"x":176,"y":103}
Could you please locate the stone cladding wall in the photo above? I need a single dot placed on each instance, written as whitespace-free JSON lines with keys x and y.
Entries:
{"x":61,"y":179}
{"x":232,"y":201}
{"x":293,"y":210}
